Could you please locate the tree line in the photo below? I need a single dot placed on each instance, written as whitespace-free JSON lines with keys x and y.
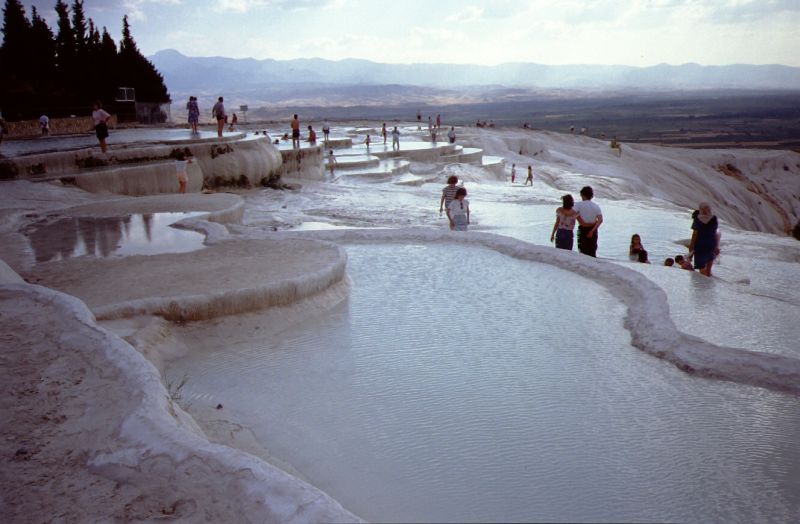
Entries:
{"x":61,"y":73}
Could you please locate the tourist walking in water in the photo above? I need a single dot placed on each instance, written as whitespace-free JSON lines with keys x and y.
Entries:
{"x":590,"y":217}
{"x":194,"y":113}
{"x":438,"y":121}
{"x":384,"y":133}
{"x":451,"y":135}
{"x":331,"y":162}
{"x":566,"y":215}
{"x":395,"y":139}
{"x":704,"y":246}
{"x":234,"y":121}
{"x":218,"y":112}
{"x":368,"y":141}
{"x":458,"y":211}
{"x":513,"y":172}
{"x":448,"y":193}
{"x":530,"y":176}
{"x":326,"y":131}
{"x":100,"y":118}
{"x":296,"y":132}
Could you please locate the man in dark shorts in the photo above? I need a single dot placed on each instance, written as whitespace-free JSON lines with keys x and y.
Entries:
{"x":296,"y":132}
{"x":589,"y":219}
{"x":218,"y":111}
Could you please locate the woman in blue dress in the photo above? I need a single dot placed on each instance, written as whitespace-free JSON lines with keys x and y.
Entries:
{"x":704,"y":246}
{"x":194,"y":113}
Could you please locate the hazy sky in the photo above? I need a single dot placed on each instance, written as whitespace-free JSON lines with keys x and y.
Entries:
{"x":632,"y":32}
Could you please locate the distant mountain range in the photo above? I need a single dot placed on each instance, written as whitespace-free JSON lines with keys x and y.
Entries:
{"x":185,"y":74}
{"x":353,"y":81}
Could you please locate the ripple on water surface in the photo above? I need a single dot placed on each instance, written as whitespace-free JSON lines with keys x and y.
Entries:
{"x":457,"y":384}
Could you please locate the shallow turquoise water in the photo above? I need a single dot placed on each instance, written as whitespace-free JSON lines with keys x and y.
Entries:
{"x":457,"y":384}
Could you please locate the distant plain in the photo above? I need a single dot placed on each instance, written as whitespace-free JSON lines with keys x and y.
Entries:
{"x":712,"y":119}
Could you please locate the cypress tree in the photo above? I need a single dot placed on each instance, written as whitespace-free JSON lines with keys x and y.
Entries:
{"x":80,"y":31}
{"x":137,"y":71}
{"x":16,"y":90}
{"x":108,"y":63}
{"x":42,"y":54}
{"x":16,"y":37}
{"x":65,"y":52}
{"x":43,"y":73}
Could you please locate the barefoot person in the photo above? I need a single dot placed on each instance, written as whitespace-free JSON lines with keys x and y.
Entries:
{"x":218,"y":112}
{"x":458,"y":211}
{"x":704,"y":246}
{"x":384,"y":133}
{"x":331,"y":162}
{"x":182,"y":161}
{"x":312,"y":135}
{"x":44,"y":123}
{"x":530,"y":176}
{"x":589,"y":219}
{"x":448,"y":193}
{"x":513,"y":172}
{"x":326,"y":131}
{"x":194,"y":113}
{"x":395,"y":139}
{"x":296,"y":132}
{"x":100,"y":118}
{"x":562,"y":232}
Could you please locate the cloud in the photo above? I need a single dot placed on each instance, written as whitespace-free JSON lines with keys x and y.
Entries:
{"x":470,"y":13}
{"x":245,"y":6}
{"x":135,"y":8}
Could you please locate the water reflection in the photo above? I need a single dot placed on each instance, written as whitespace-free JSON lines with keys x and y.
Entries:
{"x":138,"y":234}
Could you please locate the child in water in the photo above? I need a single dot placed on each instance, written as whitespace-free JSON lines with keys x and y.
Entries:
{"x":458,"y":211}
{"x":182,"y":161}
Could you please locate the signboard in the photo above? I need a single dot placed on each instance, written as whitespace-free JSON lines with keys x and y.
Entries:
{"x":126,"y":94}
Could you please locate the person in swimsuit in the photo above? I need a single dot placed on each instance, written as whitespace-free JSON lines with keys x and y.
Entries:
{"x":218,"y":112}
{"x":296,"y":132}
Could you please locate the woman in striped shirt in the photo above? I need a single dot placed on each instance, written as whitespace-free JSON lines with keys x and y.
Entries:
{"x":448,"y":193}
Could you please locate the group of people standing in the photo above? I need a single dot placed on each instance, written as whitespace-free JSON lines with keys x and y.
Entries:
{"x":703,"y":247}
{"x":218,"y":113}
{"x":589,"y":217}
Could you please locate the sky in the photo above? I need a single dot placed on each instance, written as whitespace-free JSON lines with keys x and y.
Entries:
{"x":486,"y":32}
